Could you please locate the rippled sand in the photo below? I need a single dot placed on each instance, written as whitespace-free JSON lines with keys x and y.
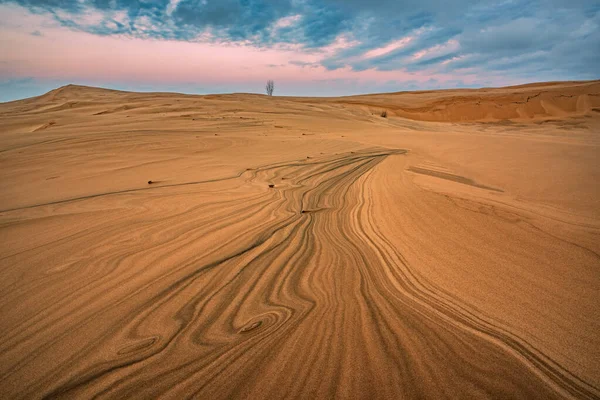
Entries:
{"x":450,"y":250}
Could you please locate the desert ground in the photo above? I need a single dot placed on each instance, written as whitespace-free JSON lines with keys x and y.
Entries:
{"x":157,"y":245}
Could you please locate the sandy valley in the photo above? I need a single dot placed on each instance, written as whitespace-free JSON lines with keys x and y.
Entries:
{"x":157,"y":245}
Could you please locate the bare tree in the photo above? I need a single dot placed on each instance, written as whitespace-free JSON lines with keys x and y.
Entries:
{"x":270,"y":87}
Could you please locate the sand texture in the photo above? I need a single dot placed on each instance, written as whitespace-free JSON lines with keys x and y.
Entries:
{"x":301,"y":247}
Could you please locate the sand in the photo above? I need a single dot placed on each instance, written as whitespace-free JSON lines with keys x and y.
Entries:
{"x":450,"y":250}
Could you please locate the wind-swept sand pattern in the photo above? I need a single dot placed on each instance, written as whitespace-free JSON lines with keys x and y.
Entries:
{"x":300,"y":248}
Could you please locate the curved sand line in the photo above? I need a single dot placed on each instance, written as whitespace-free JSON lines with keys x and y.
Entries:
{"x":334,"y":275}
{"x":280,"y":254}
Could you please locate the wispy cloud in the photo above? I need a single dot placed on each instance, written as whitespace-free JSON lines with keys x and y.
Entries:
{"x":396,"y":44}
{"x":497,"y":41}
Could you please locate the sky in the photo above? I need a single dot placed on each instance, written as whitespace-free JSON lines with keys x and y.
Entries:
{"x":308,"y":47}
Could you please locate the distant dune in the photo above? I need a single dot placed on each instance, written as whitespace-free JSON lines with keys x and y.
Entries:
{"x":533,"y":101}
{"x":160,"y":245}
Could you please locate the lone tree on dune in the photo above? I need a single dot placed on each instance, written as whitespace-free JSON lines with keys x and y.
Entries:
{"x":270,"y":87}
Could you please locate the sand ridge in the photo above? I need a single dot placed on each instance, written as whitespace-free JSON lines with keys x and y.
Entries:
{"x":543,"y":100}
{"x":300,"y":247}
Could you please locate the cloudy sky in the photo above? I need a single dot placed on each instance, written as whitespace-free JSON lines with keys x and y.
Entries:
{"x":309,"y":47}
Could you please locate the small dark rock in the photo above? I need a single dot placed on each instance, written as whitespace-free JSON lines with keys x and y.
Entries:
{"x":271,"y":185}
{"x":150,"y":182}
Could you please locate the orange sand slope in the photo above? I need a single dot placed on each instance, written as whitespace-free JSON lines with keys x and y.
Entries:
{"x":450,"y":250}
{"x":555,"y":99}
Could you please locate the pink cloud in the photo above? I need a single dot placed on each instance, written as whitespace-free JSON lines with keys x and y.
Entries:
{"x":388,"y":48}
{"x":63,"y":54}
{"x":450,"y":46}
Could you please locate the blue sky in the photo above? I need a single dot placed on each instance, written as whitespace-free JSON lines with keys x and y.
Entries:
{"x":309,"y":47}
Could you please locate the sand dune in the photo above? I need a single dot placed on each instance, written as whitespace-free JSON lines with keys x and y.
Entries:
{"x":301,"y":247}
{"x":543,"y":100}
